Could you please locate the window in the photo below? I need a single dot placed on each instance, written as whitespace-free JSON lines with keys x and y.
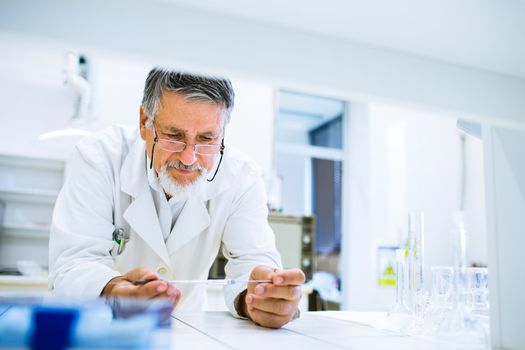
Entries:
{"x":309,"y":162}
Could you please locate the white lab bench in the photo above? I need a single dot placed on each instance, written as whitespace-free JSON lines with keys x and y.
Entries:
{"x":313,"y":330}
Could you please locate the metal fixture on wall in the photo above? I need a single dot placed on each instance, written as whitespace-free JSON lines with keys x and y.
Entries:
{"x":76,"y":71}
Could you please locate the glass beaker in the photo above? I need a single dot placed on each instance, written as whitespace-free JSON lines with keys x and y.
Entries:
{"x":458,"y":327}
{"x":441,"y":298}
{"x":477,"y":291}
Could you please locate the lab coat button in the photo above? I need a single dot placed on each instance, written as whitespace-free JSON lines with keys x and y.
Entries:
{"x":162,"y":270}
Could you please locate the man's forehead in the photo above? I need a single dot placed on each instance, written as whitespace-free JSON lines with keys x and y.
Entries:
{"x":181,"y":130}
{"x":185,"y":125}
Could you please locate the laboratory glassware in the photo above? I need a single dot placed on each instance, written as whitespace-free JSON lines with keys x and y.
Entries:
{"x":459,"y":327}
{"x":415,"y":259}
{"x":417,"y":296}
{"x":214,"y":282}
{"x":399,"y":315}
{"x":440,"y":304}
{"x":400,"y":305}
{"x":477,"y":290}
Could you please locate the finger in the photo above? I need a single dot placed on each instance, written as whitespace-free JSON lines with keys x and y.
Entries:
{"x":172,"y":294}
{"x":288,"y":277}
{"x":267,"y":319}
{"x":140,"y":273}
{"x":176,"y":297}
{"x":172,"y":290}
{"x":279,"y":307}
{"x":152,"y":289}
{"x":269,"y":290}
{"x":150,"y":276}
{"x":262,"y":273}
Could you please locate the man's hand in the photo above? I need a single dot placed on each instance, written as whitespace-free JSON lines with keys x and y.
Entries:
{"x":123,"y":286}
{"x":272,"y":304}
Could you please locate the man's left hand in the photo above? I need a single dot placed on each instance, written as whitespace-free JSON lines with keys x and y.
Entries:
{"x":273,"y":304}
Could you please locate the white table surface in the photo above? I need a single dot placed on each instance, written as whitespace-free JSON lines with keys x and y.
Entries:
{"x":314,"y":330}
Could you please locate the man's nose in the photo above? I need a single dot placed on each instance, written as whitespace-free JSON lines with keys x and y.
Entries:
{"x":188,"y":156}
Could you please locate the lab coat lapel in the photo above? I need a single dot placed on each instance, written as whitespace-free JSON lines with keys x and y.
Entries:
{"x":193,"y":220}
{"x":141,"y":213}
{"x":142,"y":217}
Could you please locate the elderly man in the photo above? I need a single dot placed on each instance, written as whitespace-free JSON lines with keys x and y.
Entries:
{"x":155,"y":204}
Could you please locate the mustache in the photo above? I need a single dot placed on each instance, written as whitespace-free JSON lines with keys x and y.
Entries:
{"x":177,"y":164}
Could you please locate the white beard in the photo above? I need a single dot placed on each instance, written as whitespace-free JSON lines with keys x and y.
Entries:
{"x":181,"y":191}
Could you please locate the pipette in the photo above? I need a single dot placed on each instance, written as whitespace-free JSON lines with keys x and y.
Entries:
{"x":214,"y":282}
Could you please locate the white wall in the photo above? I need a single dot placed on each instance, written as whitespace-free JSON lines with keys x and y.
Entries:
{"x":252,"y":125}
{"x":292,"y":169}
{"x":505,"y":176}
{"x":34,"y":99}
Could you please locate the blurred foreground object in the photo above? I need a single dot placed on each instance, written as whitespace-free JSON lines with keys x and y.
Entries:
{"x":51,"y":323}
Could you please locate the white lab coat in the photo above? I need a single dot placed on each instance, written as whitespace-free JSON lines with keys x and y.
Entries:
{"x":106,"y":187}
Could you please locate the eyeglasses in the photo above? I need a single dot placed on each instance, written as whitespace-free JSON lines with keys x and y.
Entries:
{"x":178,"y":146}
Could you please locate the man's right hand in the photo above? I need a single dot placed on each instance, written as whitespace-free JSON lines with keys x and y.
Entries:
{"x":122,"y":286}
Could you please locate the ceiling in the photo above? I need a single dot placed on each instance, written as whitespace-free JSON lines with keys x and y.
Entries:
{"x":484,"y":34}
{"x":375,"y":49}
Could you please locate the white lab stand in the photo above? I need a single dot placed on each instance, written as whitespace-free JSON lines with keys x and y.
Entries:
{"x":504,"y":151}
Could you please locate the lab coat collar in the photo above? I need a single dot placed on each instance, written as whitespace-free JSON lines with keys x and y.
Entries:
{"x":141,"y":213}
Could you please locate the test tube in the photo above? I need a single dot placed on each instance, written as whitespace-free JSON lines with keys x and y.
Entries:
{"x":416,"y":237}
{"x":415,"y":258}
{"x":400,"y":306}
{"x":460,"y":259}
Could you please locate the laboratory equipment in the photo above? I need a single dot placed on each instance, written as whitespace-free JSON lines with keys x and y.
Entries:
{"x":217,"y":282}
{"x":57,"y":323}
{"x":295,"y":240}
{"x":399,"y":316}
{"x":478,"y":289}
{"x":76,"y":78}
{"x":441,"y":298}
{"x":458,"y":326}
{"x":326,"y":285}
{"x":400,"y":306}
{"x":415,"y":260}
{"x":416,"y":295}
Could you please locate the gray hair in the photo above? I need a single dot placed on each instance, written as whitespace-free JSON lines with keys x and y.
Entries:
{"x":191,"y":87}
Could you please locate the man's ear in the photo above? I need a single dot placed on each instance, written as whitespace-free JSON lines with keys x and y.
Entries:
{"x":142,"y":123}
